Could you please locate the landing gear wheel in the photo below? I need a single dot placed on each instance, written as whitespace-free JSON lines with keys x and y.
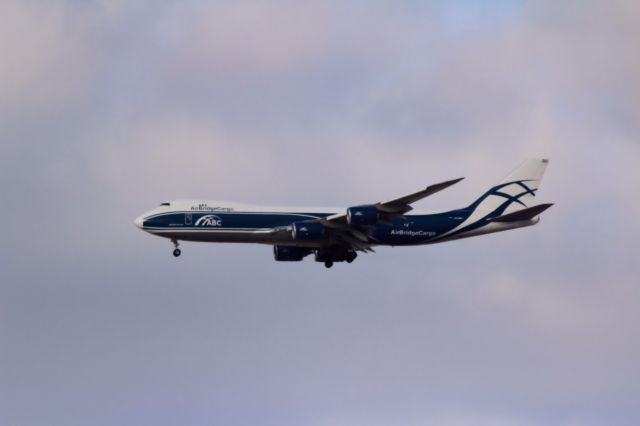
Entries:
{"x":351,"y":257}
{"x":177,"y":251}
{"x":328,"y":264}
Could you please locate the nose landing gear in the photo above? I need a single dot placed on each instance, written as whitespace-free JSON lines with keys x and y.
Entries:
{"x":177,"y":252}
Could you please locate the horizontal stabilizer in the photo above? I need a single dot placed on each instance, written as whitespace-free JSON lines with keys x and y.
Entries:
{"x":524,"y":214}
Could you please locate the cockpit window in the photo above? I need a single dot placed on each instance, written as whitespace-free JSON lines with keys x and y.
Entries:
{"x":165,"y":204}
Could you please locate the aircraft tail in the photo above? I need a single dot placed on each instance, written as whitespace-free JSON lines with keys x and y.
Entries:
{"x":516,"y":191}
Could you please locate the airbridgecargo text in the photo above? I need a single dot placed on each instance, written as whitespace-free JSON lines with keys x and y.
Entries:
{"x":204,"y":207}
{"x":403,"y":232}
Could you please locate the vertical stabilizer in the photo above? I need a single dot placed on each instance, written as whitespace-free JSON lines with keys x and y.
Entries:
{"x":516,"y":191}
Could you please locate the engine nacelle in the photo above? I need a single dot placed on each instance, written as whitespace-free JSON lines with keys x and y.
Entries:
{"x":289,"y":254}
{"x":307,"y":231}
{"x":362,"y":216}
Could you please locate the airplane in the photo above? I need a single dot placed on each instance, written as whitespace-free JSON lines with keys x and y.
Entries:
{"x":339,"y":234}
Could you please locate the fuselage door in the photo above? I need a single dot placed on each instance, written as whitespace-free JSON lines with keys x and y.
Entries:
{"x":188,"y":219}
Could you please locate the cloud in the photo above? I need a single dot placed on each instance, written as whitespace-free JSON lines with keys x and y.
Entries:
{"x":109,"y":108}
{"x":46,"y":60}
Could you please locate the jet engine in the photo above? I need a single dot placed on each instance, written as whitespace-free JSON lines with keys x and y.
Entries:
{"x":307,"y":231}
{"x":289,"y":254}
{"x":363,"y":216}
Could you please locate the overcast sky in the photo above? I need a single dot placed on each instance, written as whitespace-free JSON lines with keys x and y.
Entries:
{"x":108,"y":108}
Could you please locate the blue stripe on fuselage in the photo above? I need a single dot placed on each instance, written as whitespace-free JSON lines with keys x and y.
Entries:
{"x":235,"y":220}
{"x":402,"y":230}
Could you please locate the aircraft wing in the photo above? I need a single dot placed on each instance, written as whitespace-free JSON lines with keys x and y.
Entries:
{"x":357,"y":236}
{"x":397,"y":206}
{"x":403,"y":204}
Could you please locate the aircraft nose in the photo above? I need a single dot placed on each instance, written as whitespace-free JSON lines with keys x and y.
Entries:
{"x":139,"y":221}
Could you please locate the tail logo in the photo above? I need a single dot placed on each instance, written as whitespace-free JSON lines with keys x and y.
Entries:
{"x":514,"y":198}
{"x":209,"y":220}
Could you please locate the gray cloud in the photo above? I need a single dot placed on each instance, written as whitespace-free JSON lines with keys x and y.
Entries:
{"x":108,"y":108}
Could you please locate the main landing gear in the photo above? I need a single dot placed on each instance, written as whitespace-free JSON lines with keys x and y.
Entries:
{"x":334,"y":254}
{"x":177,"y":252}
